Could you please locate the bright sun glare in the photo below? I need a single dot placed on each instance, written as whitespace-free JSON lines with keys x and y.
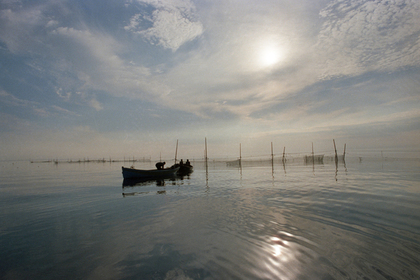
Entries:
{"x":268,"y":53}
{"x":269,"y":56}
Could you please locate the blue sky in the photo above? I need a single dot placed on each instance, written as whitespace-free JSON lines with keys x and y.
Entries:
{"x":100,"y":78}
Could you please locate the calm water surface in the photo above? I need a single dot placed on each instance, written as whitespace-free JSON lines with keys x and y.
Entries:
{"x":78,"y":221}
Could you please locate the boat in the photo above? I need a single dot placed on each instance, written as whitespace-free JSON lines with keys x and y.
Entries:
{"x":130,"y":173}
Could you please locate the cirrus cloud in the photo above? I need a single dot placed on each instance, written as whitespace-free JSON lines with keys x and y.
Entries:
{"x":360,"y":36}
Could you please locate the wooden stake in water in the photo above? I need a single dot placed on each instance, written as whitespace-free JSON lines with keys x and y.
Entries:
{"x":272,"y":154}
{"x":240,"y":154}
{"x":313,"y":155}
{"x":344,"y":154}
{"x":176,"y":150}
{"x":207,"y":167}
{"x":205,"y":151}
{"x":272,"y":159}
{"x":284,"y":153}
{"x":335,"y":150}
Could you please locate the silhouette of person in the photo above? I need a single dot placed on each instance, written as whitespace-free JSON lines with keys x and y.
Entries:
{"x":181,"y":163}
{"x":160,"y":165}
{"x":188,"y":162}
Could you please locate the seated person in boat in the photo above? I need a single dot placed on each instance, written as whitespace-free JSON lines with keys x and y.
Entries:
{"x":160,"y":165}
{"x":187,"y":163}
{"x":181,"y":163}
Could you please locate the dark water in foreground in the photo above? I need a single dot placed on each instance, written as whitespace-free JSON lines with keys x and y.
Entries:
{"x":76,"y":221}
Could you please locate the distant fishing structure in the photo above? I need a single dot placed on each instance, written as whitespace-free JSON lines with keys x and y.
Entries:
{"x":311,"y":158}
{"x":101,"y":160}
{"x":314,"y":158}
{"x":271,"y":158}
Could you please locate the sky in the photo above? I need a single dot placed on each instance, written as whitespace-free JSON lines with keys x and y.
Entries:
{"x":124,"y":78}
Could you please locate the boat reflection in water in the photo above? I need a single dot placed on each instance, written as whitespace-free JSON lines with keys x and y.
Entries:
{"x":136,"y":182}
{"x":145,"y":186}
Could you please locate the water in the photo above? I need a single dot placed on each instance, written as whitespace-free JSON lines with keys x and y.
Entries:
{"x":76,"y":221}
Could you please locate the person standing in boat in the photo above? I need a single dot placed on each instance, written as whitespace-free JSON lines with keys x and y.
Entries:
{"x":160,"y":165}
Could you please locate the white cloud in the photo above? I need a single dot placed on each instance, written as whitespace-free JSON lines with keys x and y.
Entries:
{"x":360,"y":36}
{"x":95,"y":104}
{"x":101,"y":47}
{"x":65,"y":95}
{"x":172,"y":30}
{"x":41,"y":112}
{"x":64,"y":111}
{"x":17,"y":28}
{"x":173,"y":24}
{"x":94,"y":58}
{"x":52,"y":23}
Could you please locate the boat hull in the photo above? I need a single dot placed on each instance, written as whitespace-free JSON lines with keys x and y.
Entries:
{"x":132,"y":173}
{"x":185,"y":170}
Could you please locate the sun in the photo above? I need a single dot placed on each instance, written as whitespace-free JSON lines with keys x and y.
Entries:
{"x":269,"y":56}
{"x":265,"y":54}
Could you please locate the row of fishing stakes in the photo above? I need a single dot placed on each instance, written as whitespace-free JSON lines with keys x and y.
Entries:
{"x":272,"y":152}
{"x":284,"y":153}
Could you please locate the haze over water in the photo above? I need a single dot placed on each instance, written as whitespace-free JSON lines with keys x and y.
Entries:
{"x":360,"y":220}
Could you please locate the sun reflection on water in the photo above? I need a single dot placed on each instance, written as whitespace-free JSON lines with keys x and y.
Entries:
{"x":284,"y":256}
{"x":278,"y":246}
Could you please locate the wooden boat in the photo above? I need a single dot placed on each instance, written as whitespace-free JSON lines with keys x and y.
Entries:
{"x":130,"y":173}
